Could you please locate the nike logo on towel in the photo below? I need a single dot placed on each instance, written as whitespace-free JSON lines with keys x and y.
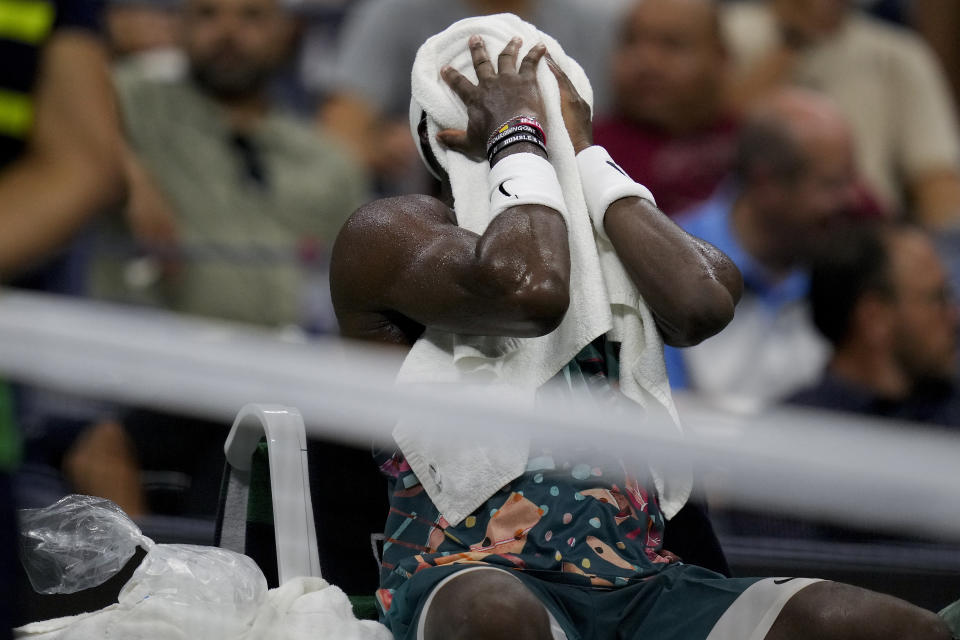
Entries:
{"x":504,"y":191}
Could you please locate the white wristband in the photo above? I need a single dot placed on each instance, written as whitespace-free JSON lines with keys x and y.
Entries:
{"x":524,"y":178}
{"x":604,"y":182}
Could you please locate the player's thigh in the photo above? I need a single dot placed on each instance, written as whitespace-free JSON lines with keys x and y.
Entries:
{"x":489,"y":604}
{"x":832,"y":610}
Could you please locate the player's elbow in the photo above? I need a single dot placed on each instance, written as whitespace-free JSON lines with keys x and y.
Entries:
{"x":533,"y":299}
{"x":544,"y":303}
{"x":699,"y":320}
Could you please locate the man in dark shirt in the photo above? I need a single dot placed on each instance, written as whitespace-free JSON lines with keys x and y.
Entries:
{"x":882,"y":299}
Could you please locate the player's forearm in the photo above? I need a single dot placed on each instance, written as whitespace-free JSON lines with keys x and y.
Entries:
{"x":404,"y":263}
{"x":523,"y":257}
{"x":511,"y":281}
{"x":690,"y":286}
{"x":523,"y":267}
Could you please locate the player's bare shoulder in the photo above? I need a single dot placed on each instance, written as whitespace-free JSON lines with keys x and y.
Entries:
{"x":378,"y":239}
{"x":380,"y":229}
{"x":389,"y":215}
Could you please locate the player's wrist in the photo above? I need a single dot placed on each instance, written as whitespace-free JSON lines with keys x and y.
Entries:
{"x":524,"y":130}
{"x":580,"y":143}
{"x":522,"y":179}
{"x":581,"y":136}
{"x":520,"y":147}
{"x":526,"y":119}
{"x":604,"y":182}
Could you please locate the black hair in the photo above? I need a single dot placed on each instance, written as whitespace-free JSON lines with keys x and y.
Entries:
{"x":855,"y":262}
{"x":425,"y":146}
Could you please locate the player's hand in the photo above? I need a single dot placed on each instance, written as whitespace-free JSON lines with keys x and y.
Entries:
{"x":500,"y":95}
{"x":576,"y":111}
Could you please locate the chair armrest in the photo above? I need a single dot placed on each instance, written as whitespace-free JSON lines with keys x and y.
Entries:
{"x":296,"y":535}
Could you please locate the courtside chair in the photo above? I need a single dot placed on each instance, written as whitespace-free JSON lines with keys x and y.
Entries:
{"x":266,"y":509}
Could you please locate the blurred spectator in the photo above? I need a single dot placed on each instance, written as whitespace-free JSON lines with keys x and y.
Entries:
{"x":794,"y":178}
{"x":368,"y":106}
{"x":891,"y":10}
{"x":324,"y":19}
{"x":58,"y":134}
{"x":141,"y":25}
{"x":233,"y":202}
{"x":145,"y":34}
{"x":669,"y":129}
{"x":884,"y":79}
{"x":234,"y":190}
{"x":882,"y":299}
{"x":316,"y":63}
{"x":59,"y":165}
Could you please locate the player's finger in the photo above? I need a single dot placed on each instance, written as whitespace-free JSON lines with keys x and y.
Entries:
{"x":530,"y":61}
{"x":458,"y":82}
{"x":568,"y":92}
{"x":566,"y":87}
{"x":507,"y":62}
{"x":481,"y":59}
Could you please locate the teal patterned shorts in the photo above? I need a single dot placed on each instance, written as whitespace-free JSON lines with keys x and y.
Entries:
{"x":682,"y":602}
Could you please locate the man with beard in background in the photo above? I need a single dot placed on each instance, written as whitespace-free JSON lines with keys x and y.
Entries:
{"x":232,"y":202}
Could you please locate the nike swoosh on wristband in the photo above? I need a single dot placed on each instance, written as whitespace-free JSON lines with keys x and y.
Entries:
{"x":614,"y":165}
{"x":504,"y":191}
{"x":783,"y":580}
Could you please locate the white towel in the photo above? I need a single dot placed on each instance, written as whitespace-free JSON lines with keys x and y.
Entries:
{"x":299,"y":609}
{"x":311,"y":609}
{"x":602,"y":297}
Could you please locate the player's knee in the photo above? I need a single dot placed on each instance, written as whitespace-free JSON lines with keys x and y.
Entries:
{"x":489,"y":605}
{"x":924,"y":625}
